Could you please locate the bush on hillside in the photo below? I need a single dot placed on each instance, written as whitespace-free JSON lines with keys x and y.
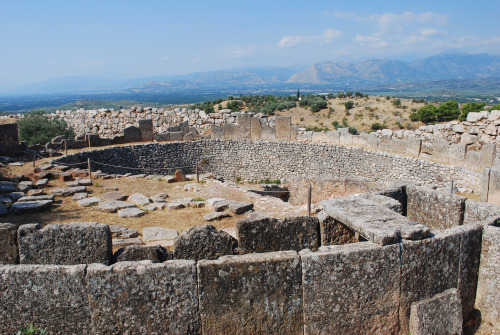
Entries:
{"x":37,"y":128}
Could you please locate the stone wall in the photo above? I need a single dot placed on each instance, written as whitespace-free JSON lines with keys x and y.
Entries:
{"x":353,"y":288}
{"x":257,"y":160}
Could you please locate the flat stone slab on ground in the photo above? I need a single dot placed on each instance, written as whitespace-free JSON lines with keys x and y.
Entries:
{"x":122,"y":232}
{"x":197,"y":204}
{"x":15,"y":196}
{"x":138,"y":199}
{"x":158,"y":233}
{"x":130,"y":213}
{"x":123,"y":242}
{"x":113,"y":206}
{"x":31,"y":206}
{"x":67,"y":191}
{"x":80,"y":196}
{"x":441,"y":314}
{"x":113,"y":196}
{"x":163,"y":243}
{"x":5,"y":201}
{"x":25,"y":185}
{"x":216,"y":216}
{"x":36,"y":198}
{"x":42,"y":182}
{"x":35,"y":192}
{"x":211,"y":202}
{"x":85,"y":182}
{"x":370,"y":219}
{"x":73,"y":183}
{"x":240,"y":207}
{"x":223,"y":205}
{"x":6,"y":186}
{"x":155,"y":206}
{"x":87,"y":202}
{"x":176,"y":205}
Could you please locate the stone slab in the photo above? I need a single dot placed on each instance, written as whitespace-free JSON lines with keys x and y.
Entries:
{"x":333,"y":232}
{"x":132,"y":134}
{"x":270,"y":234}
{"x":441,"y":314}
{"x":244,"y":124}
{"x":6,"y":186}
{"x":113,"y":206}
{"x":146,"y":129}
{"x":373,"y":221}
{"x":87,"y":202}
{"x":216,"y":131}
{"x":113,"y":196}
{"x":478,"y":211}
{"x":139,"y":199}
{"x":131,"y":212}
{"x":216,"y":216}
{"x":413,"y":146}
{"x":255,"y":129}
{"x":382,"y":200}
{"x":158,"y":233}
{"x":429,"y":267}
{"x":65,"y":244}
{"x":123,"y":242}
{"x":265,"y":295}
{"x":9,"y":253}
{"x":435,"y":209}
{"x":204,"y":242}
{"x":144,"y":298}
{"x":65,"y":192}
{"x":36,"y":198}
{"x":240,"y":207}
{"x":283,"y":128}
{"x":488,"y":287}
{"x":31,"y":206}
{"x":268,"y":133}
{"x":351,"y":289}
{"x":54,"y":297}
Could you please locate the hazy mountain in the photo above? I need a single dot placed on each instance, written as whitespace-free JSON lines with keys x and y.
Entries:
{"x":343,"y":74}
{"x":448,"y":66}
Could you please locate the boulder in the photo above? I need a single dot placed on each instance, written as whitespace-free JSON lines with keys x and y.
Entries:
{"x":134,"y":253}
{"x":223,"y":205}
{"x":204,"y":242}
{"x":180,"y":176}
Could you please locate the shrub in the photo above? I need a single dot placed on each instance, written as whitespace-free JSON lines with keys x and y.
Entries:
{"x":447,"y":111}
{"x":427,"y":114}
{"x":470,"y":107}
{"x":377,"y":126}
{"x":37,"y":128}
{"x":353,"y":130}
{"x":414,"y":116}
{"x":348,"y":105}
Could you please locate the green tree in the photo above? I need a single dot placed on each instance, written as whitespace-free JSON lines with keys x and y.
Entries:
{"x":377,"y":126}
{"x":358,"y":94}
{"x":348,"y":94}
{"x":414,"y":116}
{"x":427,"y":113}
{"x":447,"y":111}
{"x":37,"y":128}
{"x":298,"y":94}
{"x":471,"y":107}
{"x":496,"y":107}
{"x":340,"y":95}
{"x":396,"y":102}
{"x":348,"y":105}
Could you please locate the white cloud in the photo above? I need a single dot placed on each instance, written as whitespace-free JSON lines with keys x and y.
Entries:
{"x":345,"y":15}
{"x":392,"y":20}
{"x":327,"y":37}
{"x":372,"y":41}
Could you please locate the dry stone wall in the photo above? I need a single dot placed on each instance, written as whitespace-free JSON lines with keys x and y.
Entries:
{"x":257,"y":160}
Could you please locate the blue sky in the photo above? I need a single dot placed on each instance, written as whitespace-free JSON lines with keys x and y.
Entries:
{"x":47,"y":39}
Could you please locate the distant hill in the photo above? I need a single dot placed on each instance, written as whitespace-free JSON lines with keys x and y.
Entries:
{"x":330,"y":75}
{"x":370,"y":72}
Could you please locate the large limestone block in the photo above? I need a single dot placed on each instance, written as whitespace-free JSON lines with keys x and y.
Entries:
{"x":244,"y":124}
{"x":9,"y":253}
{"x":146,"y":128}
{"x":478,"y":211}
{"x":31,"y":206}
{"x":333,"y":232}
{"x":457,"y":154}
{"x":333,"y":137}
{"x":204,"y":242}
{"x":283,"y":128}
{"x":270,"y":234}
{"x":441,"y":151}
{"x":428,"y":267}
{"x":488,"y":152}
{"x":488,"y":287}
{"x":231,"y":131}
{"x":413,"y":146}
{"x":144,"y":298}
{"x":132,"y":134}
{"x":351,"y":289}
{"x":49,"y":296}
{"x":437,"y":210}
{"x":268,"y":133}
{"x":134,"y":253}
{"x":255,"y":129}
{"x":251,"y":294}
{"x":473,"y":161}
{"x":65,"y":244}
{"x":440,"y":314}
{"x":216,"y":132}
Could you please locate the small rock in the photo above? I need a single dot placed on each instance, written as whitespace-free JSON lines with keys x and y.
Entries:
{"x":134,"y":253}
{"x":180,"y":176}
{"x":111,"y":188}
{"x":197,"y":204}
{"x":24,"y":186}
{"x":169,"y":179}
{"x":130,"y":213}
{"x":215,"y":216}
{"x":155,"y":206}
{"x":221,"y":206}
{"x":72,"y":184}
{"x":211,"y":202}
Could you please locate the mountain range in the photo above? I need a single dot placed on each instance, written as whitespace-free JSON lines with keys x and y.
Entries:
{"x":362,"y":74}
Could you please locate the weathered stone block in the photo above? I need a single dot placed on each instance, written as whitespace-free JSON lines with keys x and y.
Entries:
{"x":478,"y":211}
{"x":231,"y":131}
{"x":134,"y":253}
{"x":382,"y":200}
{"x":255,"y":129}
{"x":473,"y":161}
{"x":441,"y":314}
{"x":132,"y":134}
{"x":165,"y":136}
{"x":333,"y":137}
{"x":69,"y":243}
{"x":204,"y":242}
{"x":488,"y":286}
{"x":333,"y":232}
{"x":49,"y":296}
{"x":176,"y":136}
{"x":346,"y":139}
{"x":268,"y":133}
{"x":283,"y":128}
{"x":441,"y":151}
{"x":144,"y":298}
{"x":9,"y":253}
{"x":216,"y":132}
{"x":244,"y":124}
{"x":251,"y":294}
{"x":487,"y":155}
{"x":435,"y":209}
{"x":319,"y":137}
{"x":270,"y":234}
{"x":9,"y":139}
{"x":413,"y":146}
{"x":429,"y":267}
{"x":457,"y":154}
{"x":351,"y":289}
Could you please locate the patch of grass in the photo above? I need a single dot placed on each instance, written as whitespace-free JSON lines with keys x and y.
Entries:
{"x":199,"y":199}
{"x":31,"y":330}
{"x":269,"y":181}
